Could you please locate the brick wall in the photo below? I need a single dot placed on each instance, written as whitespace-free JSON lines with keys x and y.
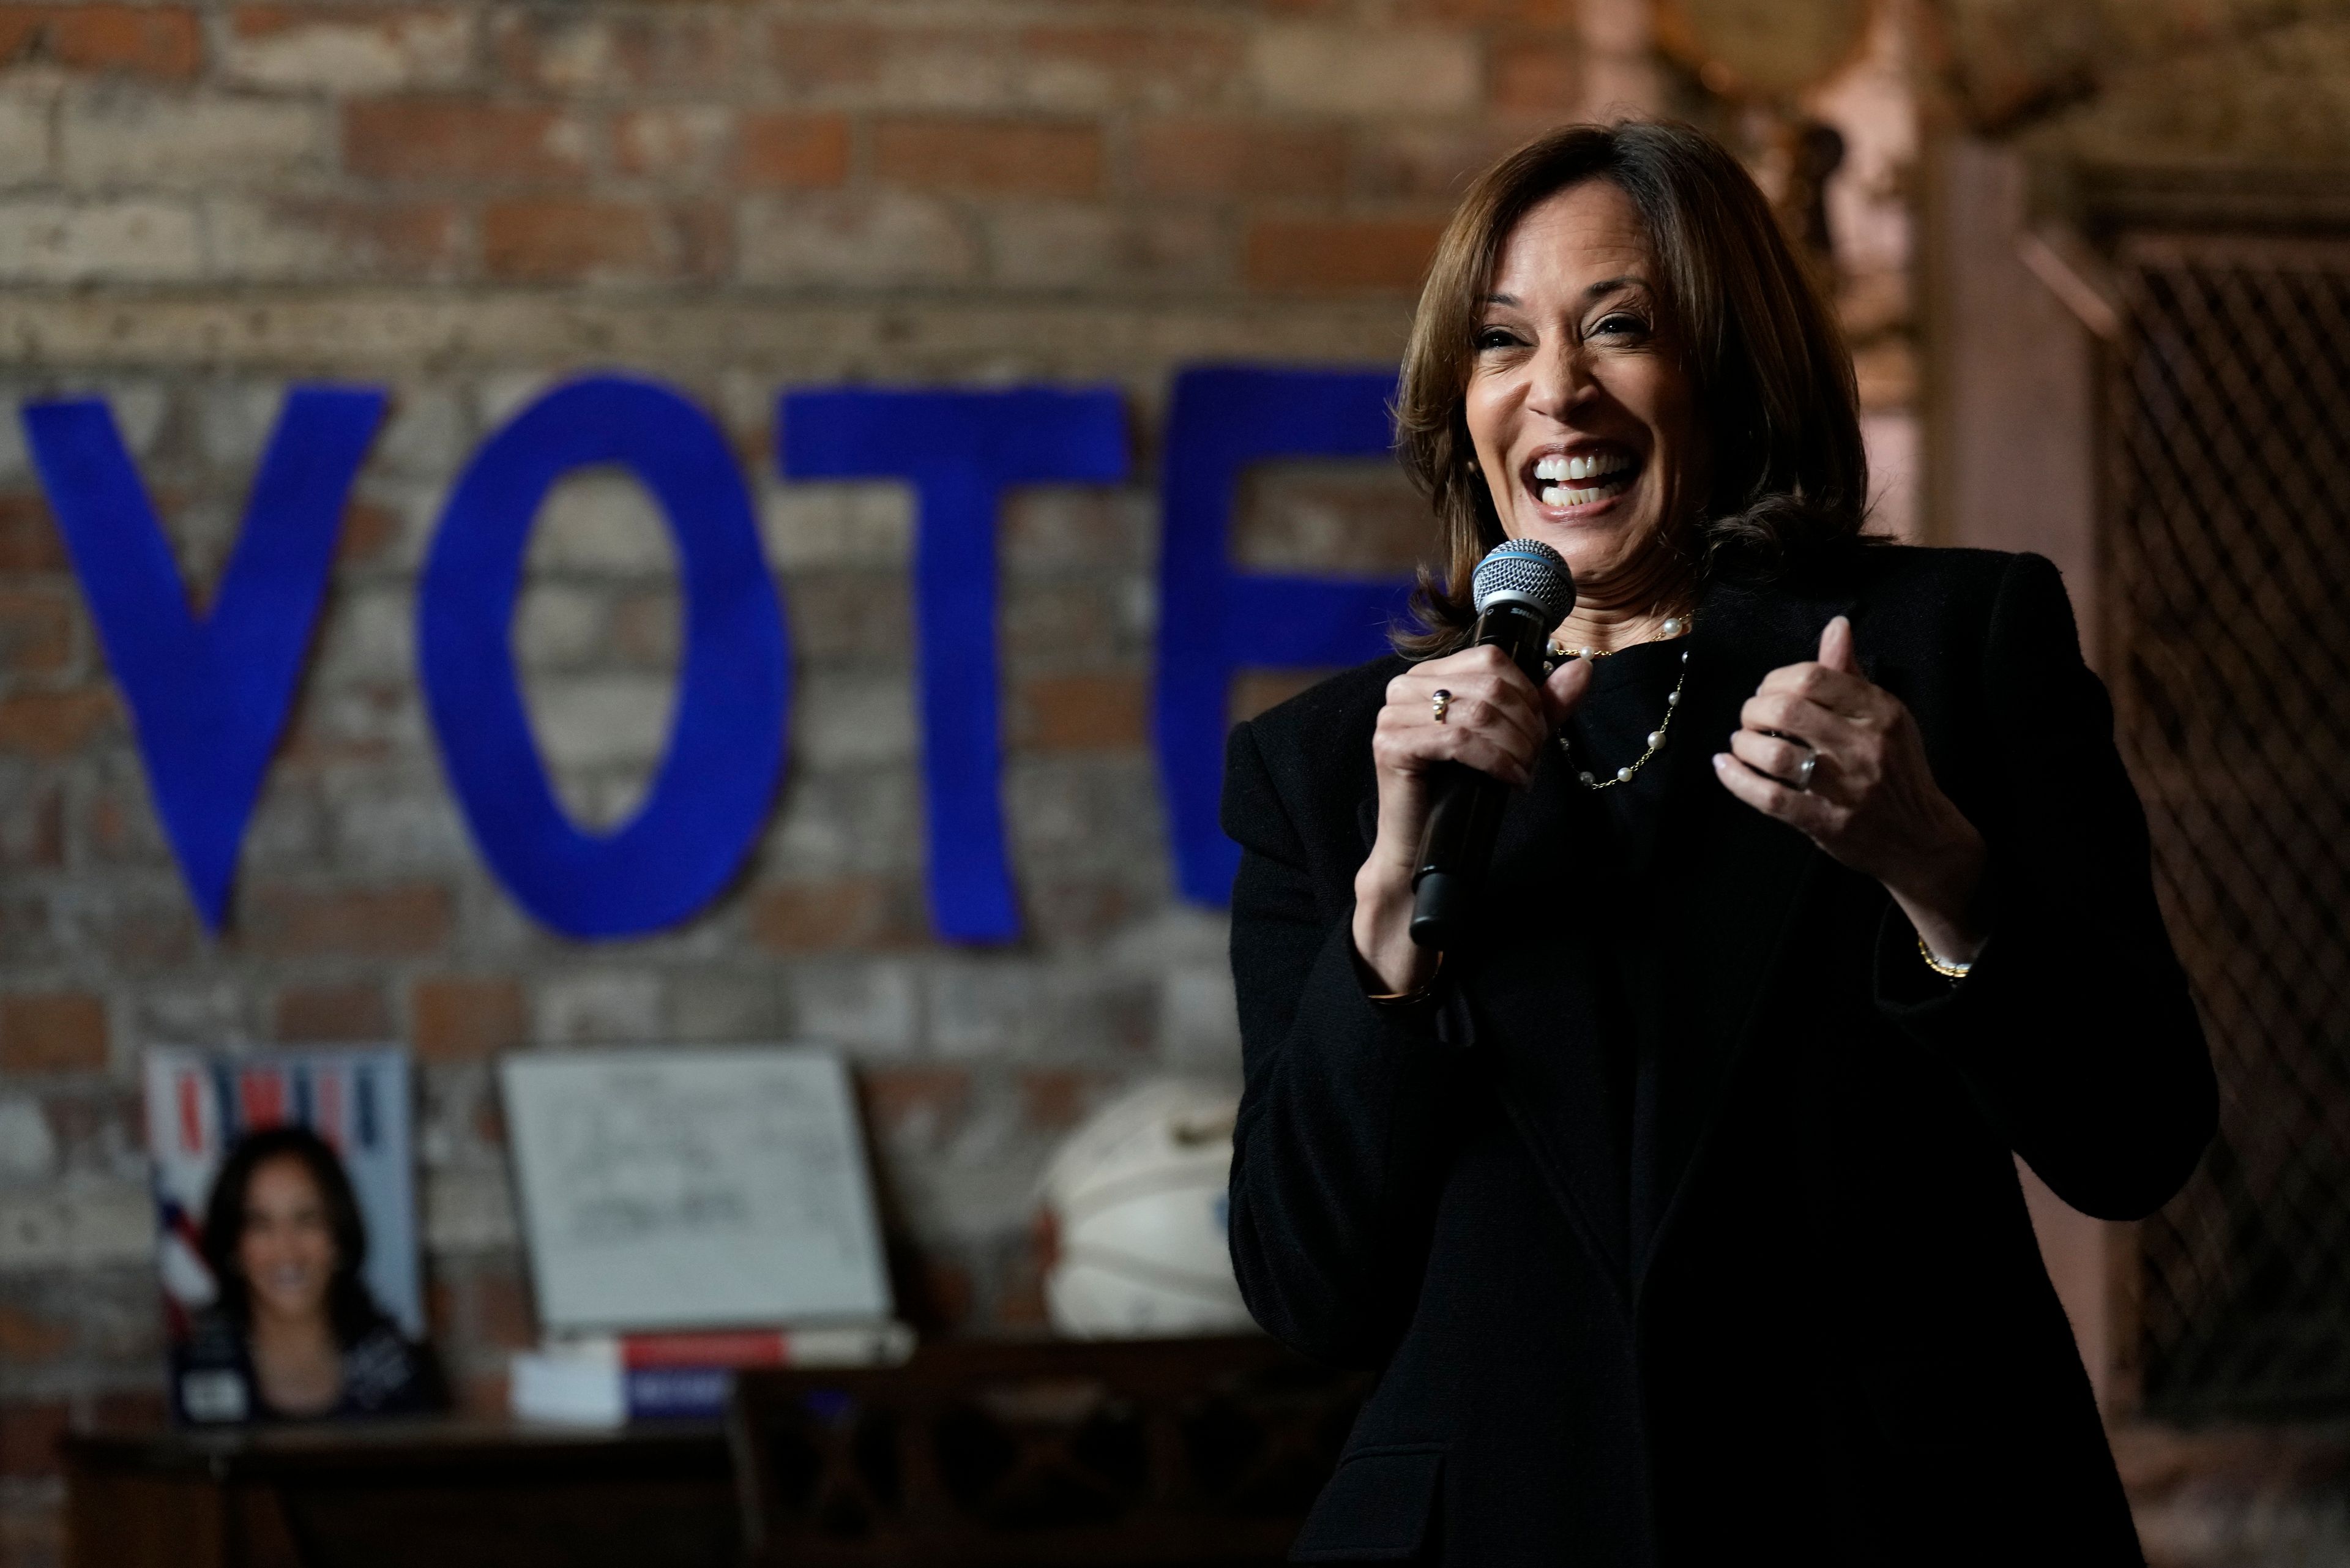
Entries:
{"x":463,"y":201}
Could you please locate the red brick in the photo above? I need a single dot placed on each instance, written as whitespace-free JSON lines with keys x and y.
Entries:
{"x":33,"y":830}
{"x":1416,"y":164}
{"x":29,"y":541}
{"x":559,"y":240}
{"x":331,"y":1012}
{"x":1548,"y":14}
{"x":853,"y":912}
{"x":793,"y":151}
{"x":161,"y":41}
{"x":408,"y":921}
{"x":460,"y":138}
{"x":701,"y":240}
{"x":60,"y":1032}
{"x":1027,"y":158}
{"x":1052,"y":1099}
{"x":919,"y":1104}
{"x":121,"y":830}
{"x":463,"y":1017}
{"x":20,"y":30}
{"x":806,"y":57}
{"x":29,"y":1430}
{"x":269,"y":21}
{"x":368,"y":528}
{"x":644,"y":630}
{"x":1238,"y":158}
{"x":53,"y":724}
{"x":502,"y":1317}
{"x":1083,"y":712}
{"x":26,"y":1338}
{"x":1539,"y":80}
{"x":1150,"y":63}
{"x":1339,"y":255}
{"x":36,"y":631}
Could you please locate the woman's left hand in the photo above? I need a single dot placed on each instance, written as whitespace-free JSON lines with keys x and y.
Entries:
{"x":1872,"y":801}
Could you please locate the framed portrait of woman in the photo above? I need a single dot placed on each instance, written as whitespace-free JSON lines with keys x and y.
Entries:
{"x":285,"y":1235}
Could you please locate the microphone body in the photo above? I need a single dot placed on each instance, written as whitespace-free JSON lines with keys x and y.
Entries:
{"x":1456,"y":844}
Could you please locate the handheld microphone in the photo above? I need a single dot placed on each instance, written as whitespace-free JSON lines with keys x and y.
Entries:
{"x":1522,"y":589}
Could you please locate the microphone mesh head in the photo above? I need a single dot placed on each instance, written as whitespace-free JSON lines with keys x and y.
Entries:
{"x":1526,"y":569}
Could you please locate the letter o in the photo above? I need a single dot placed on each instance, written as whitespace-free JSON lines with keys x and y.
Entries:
{"x":711,"y":796}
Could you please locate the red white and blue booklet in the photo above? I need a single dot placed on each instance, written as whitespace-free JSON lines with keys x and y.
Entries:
{"x":607,"y":1379}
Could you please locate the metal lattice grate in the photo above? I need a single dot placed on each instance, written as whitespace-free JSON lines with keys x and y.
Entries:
{"x":2229,"y":646}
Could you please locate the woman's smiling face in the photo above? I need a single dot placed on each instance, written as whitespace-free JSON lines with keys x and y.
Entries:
{"x":287,"y":1250}
{"x":1583,"y":419}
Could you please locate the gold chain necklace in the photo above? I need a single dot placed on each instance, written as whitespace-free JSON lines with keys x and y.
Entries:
{"x":1673,"y":626}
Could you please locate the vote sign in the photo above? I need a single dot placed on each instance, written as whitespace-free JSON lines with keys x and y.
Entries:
{"x":209,"y":695}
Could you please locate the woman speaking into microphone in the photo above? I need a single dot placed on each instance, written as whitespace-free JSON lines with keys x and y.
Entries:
{"x":1674,"y":1195}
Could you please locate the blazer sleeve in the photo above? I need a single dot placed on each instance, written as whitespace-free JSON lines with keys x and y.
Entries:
{"x":1337,"y":1153}
{"x":2074,"y":1032}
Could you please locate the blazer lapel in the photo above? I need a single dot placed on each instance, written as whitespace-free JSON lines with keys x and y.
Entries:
{"x":1730,"y":880}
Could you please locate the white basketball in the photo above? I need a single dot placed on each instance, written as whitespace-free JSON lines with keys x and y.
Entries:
{"x":1137,"y":1204}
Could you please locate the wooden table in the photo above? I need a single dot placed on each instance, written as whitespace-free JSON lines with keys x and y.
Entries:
{"x":439,"y":1493}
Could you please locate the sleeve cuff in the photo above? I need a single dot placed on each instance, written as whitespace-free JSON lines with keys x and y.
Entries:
{"x":1907,"y":991}
{"x":1435,"y":1013}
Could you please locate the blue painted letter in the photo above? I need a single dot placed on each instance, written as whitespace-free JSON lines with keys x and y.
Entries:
{"x":208,"y":697}
{"x":959,"y":451}
{"x":1213,"y":620}
{"x":726,"y":751}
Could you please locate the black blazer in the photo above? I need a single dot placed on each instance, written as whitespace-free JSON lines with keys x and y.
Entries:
{"x":1828,"y":1333}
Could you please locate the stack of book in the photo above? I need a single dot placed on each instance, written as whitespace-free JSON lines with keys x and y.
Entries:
{"x":609,"y":1379}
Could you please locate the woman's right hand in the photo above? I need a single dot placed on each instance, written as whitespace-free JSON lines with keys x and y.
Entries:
{"x":1497,"y":722}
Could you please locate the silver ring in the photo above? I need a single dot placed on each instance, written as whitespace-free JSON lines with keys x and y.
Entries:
{"x":1804,"y":769}
{"x":1440,"y":703}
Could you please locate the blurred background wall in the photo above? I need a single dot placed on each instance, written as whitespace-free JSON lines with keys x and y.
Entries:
{"x":201,"y":203}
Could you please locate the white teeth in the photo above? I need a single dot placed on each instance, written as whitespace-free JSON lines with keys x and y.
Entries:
{"x":1592,"y":467}
{"x":1609,"y":473}
{"x":1583,"y":495}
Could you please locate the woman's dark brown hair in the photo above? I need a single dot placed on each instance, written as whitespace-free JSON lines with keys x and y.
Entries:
{"x":1772,"y":379}
{"x":348,"y":1306}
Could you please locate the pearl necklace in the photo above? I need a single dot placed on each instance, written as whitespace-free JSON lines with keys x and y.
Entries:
{"x":1673,"y":626}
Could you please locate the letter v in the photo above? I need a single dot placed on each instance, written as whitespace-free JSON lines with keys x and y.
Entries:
{"x":208,"y":698}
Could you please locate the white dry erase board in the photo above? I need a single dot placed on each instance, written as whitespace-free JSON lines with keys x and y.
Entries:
{"x":668,"y":1188}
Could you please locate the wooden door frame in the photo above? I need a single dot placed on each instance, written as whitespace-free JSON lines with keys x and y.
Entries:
{"x":2020,"y":325}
